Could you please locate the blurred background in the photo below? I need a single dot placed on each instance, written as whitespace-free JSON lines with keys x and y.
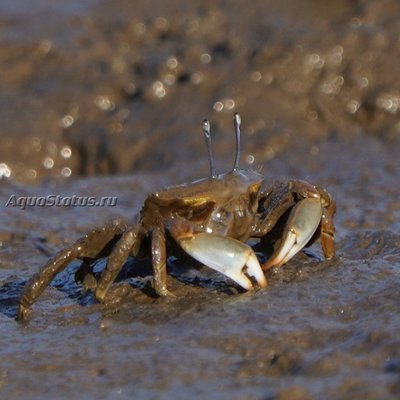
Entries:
{"x":106,"y":98}
{"x":98,"y":87}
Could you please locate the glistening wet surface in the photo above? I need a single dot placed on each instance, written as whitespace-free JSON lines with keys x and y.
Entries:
{"x":109,"y":103}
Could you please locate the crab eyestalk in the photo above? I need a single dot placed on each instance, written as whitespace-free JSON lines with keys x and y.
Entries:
{"x":236,"y":123}
{"x":207,"y":137}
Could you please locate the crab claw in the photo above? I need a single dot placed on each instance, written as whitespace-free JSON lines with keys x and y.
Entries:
{"x":226,"y":255}
{"x":303,"y":221}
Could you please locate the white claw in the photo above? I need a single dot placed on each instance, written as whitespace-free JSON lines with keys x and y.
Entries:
{"x":300,"y":228}
{"x":226,"y":255}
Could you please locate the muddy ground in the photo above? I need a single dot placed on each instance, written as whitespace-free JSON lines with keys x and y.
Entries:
{"x":106,"y":98}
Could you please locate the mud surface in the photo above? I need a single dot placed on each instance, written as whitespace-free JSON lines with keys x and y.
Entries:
{"x":106,"y":98}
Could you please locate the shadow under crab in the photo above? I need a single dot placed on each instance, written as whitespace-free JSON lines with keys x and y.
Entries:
{"x":210,"y":220}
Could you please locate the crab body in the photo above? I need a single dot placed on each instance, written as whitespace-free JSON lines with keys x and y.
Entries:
{"x":211,"y":220}
{"x":224,"y":205}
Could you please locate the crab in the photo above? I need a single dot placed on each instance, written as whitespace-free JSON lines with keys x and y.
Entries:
{"x":210,"y":219}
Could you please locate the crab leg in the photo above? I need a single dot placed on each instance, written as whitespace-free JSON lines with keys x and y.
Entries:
{"x":89,"y":246}
{"x":159,"y":259}
{"x":232,"y":258}
{"x":123,"y":248}
{"x":303,"y":221}
{"x":327,"y":235}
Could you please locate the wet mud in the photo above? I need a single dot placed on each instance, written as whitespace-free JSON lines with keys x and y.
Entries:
{"x":106,"y":99}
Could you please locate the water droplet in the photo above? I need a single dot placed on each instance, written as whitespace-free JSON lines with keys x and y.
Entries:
{"x":256,"y":76}
{"x":169,"y":79}
{"x":363,"y":82}
{"x":51,"y":147}
{"x":158,"y":89}
{"x":5,"y":171}
{"x":250,"y":159}
{"x":312,"y":115}
{"x":48,"y":162}
{"x":353,"y":106}
{"x":36,"y":143}
{"x":66,"y":172}
{"x":172,"y":62}
{"x":314,"y":61}
{"x":66,"y":152}
{"x":229,"y":104}
{"x":66,"y":121}
{"x":355,"y":23}
{"x":197,"y":78}
{"x":388,"y":102}
{"x":31,"y":174}
{"x":218,"y":106}
{"x":205,"y":58}
{"x":139,"y":28}
{"x":161,"y":23}
{"x":45,"y":46}
{"x":104,"y":103}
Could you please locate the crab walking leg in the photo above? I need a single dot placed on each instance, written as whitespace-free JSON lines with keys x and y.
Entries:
{"x":159,"y":259}
{"x":116,"y":260}
{"x":303,"y":221}
{"x":327,"y":235}
{"x":87,"y":246}
{"x":226,"y":255}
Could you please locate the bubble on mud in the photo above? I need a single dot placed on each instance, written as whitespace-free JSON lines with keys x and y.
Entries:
{"x":172,"y":62}
{"x":48,"y":162}
{"x":66,"y":152}
{"x":355,"y":23}
{"x":123,"y":114}
{"x":332,"y":85}
{"x":388,"y":102}
{"x":36,"y":143}
{"x":218,"y":106}
{"x":169,"y":79}
{"x":31,"y":174}
{"x":314,"y":62}
{"x":45,"y":46}
{"x":255,"y":76}
{"x":139,"y":28}
{"x":66,"y":172}
{"x":250,"y":159}
{"x":193,"y":26}
{"x":228,"y":104}
{"x":336,"y":56}
{"x":205,"y":58}
{"x":5,"y":171}
{"x":130,"y":89}
{"x":267,"y":79}
{"x":158,"y":89}
{"x":197,"y":78}
{"x":161,"y":23}
{"x":104,"y":103}
{"x":51,"y":147}
{"x":353,"y":106}
{"x":312,"y":115}
{"x":363,"y":82}
{"x":66,"y":121}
